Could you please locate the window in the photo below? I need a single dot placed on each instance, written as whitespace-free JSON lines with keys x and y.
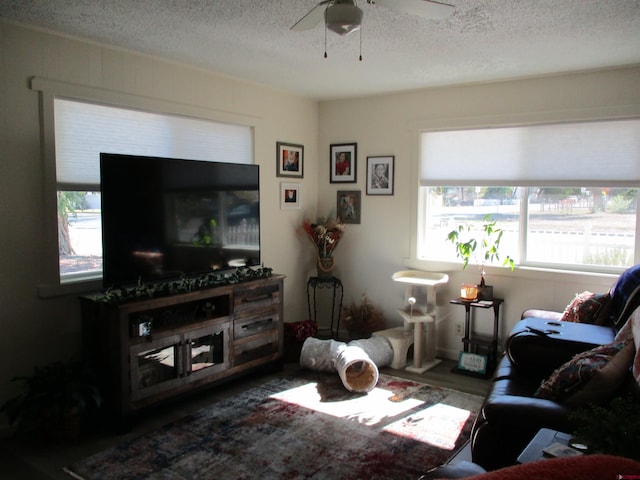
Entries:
{"x":83,"y":130}
{"x":565,"y":195}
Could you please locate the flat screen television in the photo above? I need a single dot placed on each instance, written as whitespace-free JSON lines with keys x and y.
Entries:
{"x":164,"y":217}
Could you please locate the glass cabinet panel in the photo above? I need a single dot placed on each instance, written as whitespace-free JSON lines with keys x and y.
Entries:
{"x":155,"y":366}
{"x":207,"y":349}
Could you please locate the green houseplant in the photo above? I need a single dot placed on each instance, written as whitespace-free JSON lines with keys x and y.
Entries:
{"x":482,"y":245}
{"x":613,"y":429}
{"x":54,"y":401}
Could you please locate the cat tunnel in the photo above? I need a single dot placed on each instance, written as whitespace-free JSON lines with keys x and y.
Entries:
{"x":356,"y":362}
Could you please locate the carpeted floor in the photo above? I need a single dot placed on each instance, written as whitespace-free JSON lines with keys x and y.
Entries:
{"x":306,"y":426}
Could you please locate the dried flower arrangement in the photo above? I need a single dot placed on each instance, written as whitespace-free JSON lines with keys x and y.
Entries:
{"x":362,"y":319}
{"x":325,"y":235}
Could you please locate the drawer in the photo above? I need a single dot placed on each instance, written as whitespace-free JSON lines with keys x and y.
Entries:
{"x":256,"y":298}
{"x":247,"y":327}
{"x":255,"y":348}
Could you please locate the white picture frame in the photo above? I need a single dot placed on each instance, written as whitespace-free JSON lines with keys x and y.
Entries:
{"x":289,"y":196}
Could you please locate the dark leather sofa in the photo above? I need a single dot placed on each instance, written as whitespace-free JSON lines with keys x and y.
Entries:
{"x":538,"y":344}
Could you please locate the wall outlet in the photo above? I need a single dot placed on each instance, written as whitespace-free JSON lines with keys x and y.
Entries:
{"x":459,"y":329}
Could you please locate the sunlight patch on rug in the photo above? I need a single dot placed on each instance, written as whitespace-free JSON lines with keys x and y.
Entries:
{"x":368,"y":409}
{"x":439,"y":425}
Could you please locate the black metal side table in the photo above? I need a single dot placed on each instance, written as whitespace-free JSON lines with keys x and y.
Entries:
{"x":334,"y":284}
{"x":471,"y":341}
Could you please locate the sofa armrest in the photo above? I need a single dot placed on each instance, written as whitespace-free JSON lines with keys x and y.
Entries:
{"x":537,"y":346}
{"x":518,"y":412}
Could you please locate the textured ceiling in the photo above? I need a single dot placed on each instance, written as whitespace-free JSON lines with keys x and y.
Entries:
{"x":484,"y":40}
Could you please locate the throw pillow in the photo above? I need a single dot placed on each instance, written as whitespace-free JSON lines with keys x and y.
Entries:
{"x":634,"y":320}
{"x":631,"y":331}
{"x":589,"y":377}
{"x":587,"y":307}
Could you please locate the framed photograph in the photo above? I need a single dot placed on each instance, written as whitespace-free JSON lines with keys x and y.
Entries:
{"x":289,"y":195}
{"x":472,"y":362}
{"x":380,"y":175}
{"x":344,"y":163}
{"x":348,"y":207}
{"x":289,"y":160}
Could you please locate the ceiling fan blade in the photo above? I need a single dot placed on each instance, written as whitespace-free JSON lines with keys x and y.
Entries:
{"x":422,"y":8}
{"x":314,"y":17}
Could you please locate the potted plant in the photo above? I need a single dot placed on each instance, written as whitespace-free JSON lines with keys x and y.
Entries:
{"x":55,"y":401}
{"x":483,"y":246}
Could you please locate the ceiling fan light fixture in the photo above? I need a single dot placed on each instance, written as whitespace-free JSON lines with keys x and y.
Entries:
{"x":343,"y":18}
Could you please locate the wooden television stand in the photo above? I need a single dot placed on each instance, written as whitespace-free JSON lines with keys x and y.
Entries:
{"x":150,"y":350}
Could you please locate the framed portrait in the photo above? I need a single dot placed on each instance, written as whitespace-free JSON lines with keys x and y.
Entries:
{"x":380,"y":175}
{"x":289,"y":195}
{"x":343,"y":163}
{"x":289,"y":160}
{"x":348,"y":206}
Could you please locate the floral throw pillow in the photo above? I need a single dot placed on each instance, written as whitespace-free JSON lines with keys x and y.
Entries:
{"x":587,"y":307}
{"x":589,"y":377}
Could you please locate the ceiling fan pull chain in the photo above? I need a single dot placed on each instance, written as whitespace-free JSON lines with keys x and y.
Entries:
{"x":325,"y":40}
{"x":360,"y":58}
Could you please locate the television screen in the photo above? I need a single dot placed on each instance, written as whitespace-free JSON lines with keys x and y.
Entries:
{"x":163,"y":217}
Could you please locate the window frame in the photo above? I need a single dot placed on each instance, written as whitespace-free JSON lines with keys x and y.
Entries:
{"x":48,"y":90}
{"x":417,"y":203}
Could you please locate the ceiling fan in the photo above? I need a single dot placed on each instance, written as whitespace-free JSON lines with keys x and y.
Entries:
{"x":345,"y":17}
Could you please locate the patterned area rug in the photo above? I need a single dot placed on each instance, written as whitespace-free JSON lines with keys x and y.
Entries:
{"x":303,"y":427}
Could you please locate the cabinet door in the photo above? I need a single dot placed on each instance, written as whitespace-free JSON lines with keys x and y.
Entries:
{"x":207,"y":351}
{"x":155,"y":366}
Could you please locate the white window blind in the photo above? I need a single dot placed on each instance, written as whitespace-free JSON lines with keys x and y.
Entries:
{"x":588,"y":153}
{"x":84,"y":130}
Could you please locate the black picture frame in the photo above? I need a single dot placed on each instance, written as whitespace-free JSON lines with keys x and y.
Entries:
{"x":349,"y":206}
{"x":289,"y":160}
{"x":343,"y":163}
{"x":380,"y":175}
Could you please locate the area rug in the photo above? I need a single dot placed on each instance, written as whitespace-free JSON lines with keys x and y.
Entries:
{"x":307,"y":426}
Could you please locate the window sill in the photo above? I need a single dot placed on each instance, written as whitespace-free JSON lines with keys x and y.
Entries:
{"x":70,"y":288}
{"x":521,"y":271}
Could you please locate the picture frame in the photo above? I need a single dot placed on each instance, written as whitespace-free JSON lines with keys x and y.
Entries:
{"x":289,"y":160}
{"x":472,"y":362}
{"x":348,"y":206}
{"x":343,"y":162}
{"x":289,"y":195}
{"x":380,"y":175}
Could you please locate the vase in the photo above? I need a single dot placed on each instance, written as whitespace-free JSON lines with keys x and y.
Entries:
{"x":325,"y":267}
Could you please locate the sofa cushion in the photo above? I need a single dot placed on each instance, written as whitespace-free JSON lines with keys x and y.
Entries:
{"x":588,"y":307}
{"x":590,"y":377}
{"x":596,"y":466}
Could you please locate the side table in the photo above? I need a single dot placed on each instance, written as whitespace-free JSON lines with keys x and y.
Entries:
{"x":335,"y":285}
{"x":544,"y":438}
{"x":471,"y":341}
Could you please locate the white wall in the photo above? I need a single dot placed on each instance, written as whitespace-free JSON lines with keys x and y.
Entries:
{"x":35,"y":330}
{"x":390,"y":125}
